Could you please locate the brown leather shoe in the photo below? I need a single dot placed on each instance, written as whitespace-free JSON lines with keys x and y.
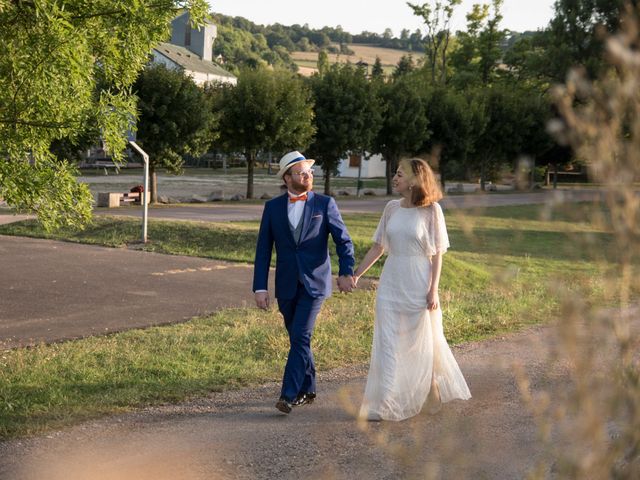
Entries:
{"x":283,"y":405}
{"x":306,"y":398}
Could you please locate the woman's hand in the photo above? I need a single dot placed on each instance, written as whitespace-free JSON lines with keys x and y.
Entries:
{"x":433,"y":300}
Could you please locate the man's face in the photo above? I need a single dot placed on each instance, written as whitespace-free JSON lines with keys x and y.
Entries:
{"x":299,"y":178}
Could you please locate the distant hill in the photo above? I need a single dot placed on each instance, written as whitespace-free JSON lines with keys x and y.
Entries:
{"x":307,"y":61}
{"x":242,"y":42}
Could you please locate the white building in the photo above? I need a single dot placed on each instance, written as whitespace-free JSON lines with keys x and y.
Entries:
{"x":374,"y":166}
{"x":191,"y":50}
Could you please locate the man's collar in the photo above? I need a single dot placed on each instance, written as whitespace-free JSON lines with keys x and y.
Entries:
{"x":294,"y":195}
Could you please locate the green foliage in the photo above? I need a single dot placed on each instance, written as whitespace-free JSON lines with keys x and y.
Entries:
{"x":55,"y":57}
{"x":242,"y":48}
{"x":347,"y":113}
{"x":377,"y":72}
{"x":404,"y":127}
{"x":478,"y":49}
{"x":437,"y":15}
{"x":528,"y":61}
{"x":573,"y":37}
{"x":453,"y":125}
{"x":49,"y":188}
{"x":404,"y":67}
{"x":323,"y":62}
{"x":267,"y":110}
{"x":175,"y":118}
{"x":511,"y":123}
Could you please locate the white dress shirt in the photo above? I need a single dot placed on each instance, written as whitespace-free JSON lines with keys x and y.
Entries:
{"x":295,"y":209}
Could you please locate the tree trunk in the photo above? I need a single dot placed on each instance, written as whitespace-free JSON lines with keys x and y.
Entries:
{"x":327,"y":181}
{"x":391,"y":166}
{"x":153,"y":187}
{"x":251,"y":162}
{"x":555,"y":175}
{"x":442,"y":176}
{"x":482,"y":176}
{"x":388,"y":173}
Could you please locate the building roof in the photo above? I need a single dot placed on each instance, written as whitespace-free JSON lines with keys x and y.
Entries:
{"x":190,"y":61}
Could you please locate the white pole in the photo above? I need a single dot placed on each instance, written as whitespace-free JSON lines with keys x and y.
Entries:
{"x":145,"y":198}
{"x":145,"y":192}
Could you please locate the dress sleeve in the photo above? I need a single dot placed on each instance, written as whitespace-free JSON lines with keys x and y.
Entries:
{"x":440,"y":237}
{"x":380,"y":235}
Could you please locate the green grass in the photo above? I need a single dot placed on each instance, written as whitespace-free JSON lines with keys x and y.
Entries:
{"x":502,"y":273}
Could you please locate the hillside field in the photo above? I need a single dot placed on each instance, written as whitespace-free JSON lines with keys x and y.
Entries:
{"x":307,"y":61}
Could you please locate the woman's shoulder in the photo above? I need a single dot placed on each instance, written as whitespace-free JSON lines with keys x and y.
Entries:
{"x":393,"y":204}
{"x":432,"y":211}
{"x":432,"y":207}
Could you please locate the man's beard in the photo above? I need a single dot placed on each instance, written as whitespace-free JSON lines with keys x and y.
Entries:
{"x":301,"y":187}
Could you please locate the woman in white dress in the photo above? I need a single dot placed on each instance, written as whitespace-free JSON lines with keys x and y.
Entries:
{"x":410,"y":358}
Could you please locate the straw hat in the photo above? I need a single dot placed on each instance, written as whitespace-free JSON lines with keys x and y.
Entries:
{"x":290,"y":159}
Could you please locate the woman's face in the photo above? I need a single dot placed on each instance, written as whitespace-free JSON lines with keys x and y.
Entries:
{"x":401,"y":182}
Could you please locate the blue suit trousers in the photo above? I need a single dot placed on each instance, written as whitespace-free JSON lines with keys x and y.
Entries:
{"x":299,"y":315}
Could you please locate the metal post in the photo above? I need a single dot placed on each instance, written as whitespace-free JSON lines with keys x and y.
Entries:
{"x":145,"y":198}
{"x":145,"y":192}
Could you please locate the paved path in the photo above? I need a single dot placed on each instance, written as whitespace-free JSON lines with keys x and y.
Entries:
{"x":57,"y":290}
{"x":216,"y":212}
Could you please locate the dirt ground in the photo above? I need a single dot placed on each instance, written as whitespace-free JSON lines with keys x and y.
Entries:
{"x":239,"y":434}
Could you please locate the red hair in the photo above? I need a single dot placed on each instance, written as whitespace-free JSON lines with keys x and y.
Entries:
{"x":426,"y":189}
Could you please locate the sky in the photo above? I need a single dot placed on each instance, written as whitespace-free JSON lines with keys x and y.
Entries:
{"x":356,"y":16}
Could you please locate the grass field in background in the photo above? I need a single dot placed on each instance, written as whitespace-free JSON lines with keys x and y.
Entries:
{"x":505,"y":270}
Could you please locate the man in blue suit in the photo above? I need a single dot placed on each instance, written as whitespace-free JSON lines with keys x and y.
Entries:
{"x":299,"y":223}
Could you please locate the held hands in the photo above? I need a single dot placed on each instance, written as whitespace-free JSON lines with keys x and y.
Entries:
{"x":346,"y":283}
{"x":262,"y":300}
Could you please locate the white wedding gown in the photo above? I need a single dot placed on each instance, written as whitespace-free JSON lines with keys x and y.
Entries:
{"x":408,"y":341}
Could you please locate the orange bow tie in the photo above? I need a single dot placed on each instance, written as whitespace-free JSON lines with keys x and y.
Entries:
{"x":295,"y":199}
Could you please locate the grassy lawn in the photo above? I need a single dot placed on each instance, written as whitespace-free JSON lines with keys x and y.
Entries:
{"x":504,"y":271}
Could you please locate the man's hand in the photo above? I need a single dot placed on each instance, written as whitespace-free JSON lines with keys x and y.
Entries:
{"x":262,"y":300}
{"x":346,"y":283}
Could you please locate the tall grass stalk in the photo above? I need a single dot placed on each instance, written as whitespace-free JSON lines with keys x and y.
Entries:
{"x":595,"y":415}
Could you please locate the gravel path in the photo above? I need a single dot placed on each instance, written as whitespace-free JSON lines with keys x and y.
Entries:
{"x":240,"y":435}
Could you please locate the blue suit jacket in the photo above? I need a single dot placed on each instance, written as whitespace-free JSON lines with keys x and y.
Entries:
{"x":309,"y":259}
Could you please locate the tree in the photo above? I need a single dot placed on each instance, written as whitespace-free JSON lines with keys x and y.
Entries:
{"x":323,"y":62}
{"x":573,"y":37}
{"x":175,"y":120}
{"x":512,"y":124}
{"x":527,"y":59}
{"x":347,"y":116}
{"x":452,"y":122}
{"x":267,"y":110}
{"x":437,"y":18}
{"x":64,"y":64}
{"x":405,"y":66}
{"x":478,"y":52}
{"x":377,"y":72}
{"x":404,"y":127}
